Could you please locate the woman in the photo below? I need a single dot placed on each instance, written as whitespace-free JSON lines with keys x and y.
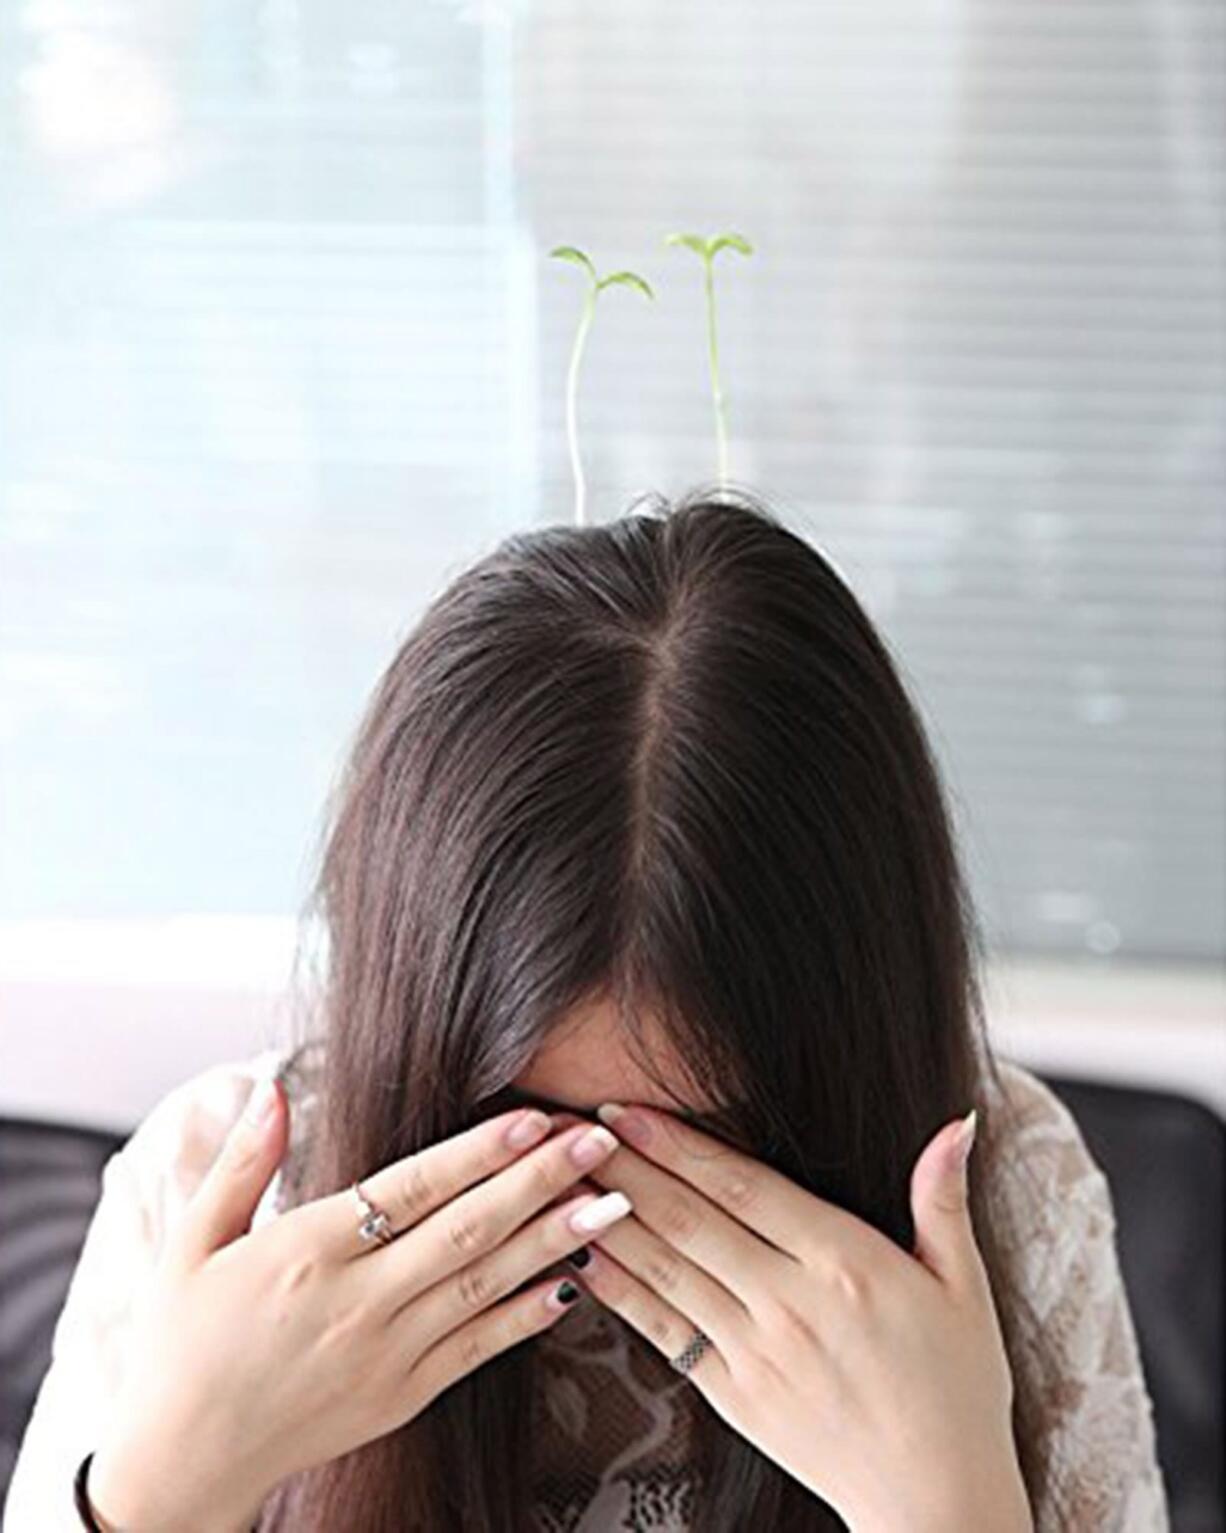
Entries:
{"x":640,"y":815}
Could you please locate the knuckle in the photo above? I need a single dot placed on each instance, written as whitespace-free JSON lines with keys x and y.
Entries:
{"x":298,"y":1272}
{"x":474,"y":1287}
{"x":679,"y":1220}
{"x":474,"y":1350}
{"x":738,"y":1193}
{"x":466,"y":1233}
{"x":851,"y":1283}
{"x":664,"y":1273}
{"x":416,"y":1191}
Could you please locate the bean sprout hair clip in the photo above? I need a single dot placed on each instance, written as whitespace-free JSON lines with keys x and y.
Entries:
{"x":706,"y":248}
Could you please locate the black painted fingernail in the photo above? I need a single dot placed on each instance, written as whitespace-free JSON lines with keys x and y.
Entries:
{"x":568,"y":1293}
{"x":580,"y":1258}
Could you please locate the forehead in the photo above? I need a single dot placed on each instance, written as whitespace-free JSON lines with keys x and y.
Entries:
{"x":585,"y":1061}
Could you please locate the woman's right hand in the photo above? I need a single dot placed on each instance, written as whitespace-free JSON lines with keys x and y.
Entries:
{"x":263,"y":1353}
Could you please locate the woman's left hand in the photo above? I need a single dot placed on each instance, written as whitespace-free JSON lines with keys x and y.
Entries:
{"x":877,"y":1378}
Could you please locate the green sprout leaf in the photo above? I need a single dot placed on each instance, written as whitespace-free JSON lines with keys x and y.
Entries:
{"x":626,"y":279}
{"x":707,"y":249}
{"x":731,"y":242}
{"x":571,"y":253}
{"x":694,"y":242}
{"x":576,"y":257}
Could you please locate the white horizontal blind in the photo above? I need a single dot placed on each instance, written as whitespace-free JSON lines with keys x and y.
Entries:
{"x":979,"y":357}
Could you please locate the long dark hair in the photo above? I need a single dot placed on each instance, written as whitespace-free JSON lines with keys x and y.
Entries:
{"x":666,"y":760}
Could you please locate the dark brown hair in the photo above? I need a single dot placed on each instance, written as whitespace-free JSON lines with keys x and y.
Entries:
{"x":666,"y":760}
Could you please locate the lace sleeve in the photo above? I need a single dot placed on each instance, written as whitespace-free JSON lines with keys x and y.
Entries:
{"x":1100,"y":1445}
{"x":144,"y":1186}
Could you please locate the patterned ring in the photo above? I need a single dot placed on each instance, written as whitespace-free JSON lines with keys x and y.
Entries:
{"x":691,"y":1352}
{"x":375,"y":1225}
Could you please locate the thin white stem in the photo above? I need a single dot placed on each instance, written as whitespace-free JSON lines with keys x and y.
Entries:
{"x":572,"y":403}
{"x":721,"y":425}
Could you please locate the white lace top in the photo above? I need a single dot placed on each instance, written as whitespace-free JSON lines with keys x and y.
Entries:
{"x":611,"y":1418}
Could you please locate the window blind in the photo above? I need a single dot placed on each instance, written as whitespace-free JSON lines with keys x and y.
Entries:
{"x":978,"y":356}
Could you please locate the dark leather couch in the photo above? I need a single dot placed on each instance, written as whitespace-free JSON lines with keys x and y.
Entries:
{"x":1164,"y":1156}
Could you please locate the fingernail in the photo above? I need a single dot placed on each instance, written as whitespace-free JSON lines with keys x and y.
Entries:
{"x":567,"y":1293}
{"x":580,"y":1258}
{"x":527,"y":1130}
{"x":592,"y":1146}
{"x":629,"y":1125}
{"x":261,"y":1102}
{"x":596,"y":1216}
{"x":966,"y":1137}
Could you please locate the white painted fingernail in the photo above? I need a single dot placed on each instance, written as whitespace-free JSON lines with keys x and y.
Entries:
{"x":601,"y":1213}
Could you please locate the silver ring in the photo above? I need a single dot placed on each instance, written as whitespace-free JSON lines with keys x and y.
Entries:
{"x":691,"y":1352}
{"x":375,"y":1225}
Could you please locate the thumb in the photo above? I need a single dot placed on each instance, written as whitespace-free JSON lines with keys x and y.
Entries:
{"x":222,"y":1207}
{"x":940,"y":1206}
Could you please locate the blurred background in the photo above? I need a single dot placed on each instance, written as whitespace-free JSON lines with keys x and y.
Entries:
{"x":282,"y":350}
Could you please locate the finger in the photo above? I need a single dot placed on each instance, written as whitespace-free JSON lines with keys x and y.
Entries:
{"x":940,"y":1204}
{"x":756,"y":1195}
{"x":482,"y":1218}
{"x":691,"y":1224}
{"x":665,"y":1327}
{"x":409,"y":1189}
{"x":475,"y":1287}
{"x":225,"y":1201}
{"x":678,"y":1282}
{"x":496,"y":1330}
